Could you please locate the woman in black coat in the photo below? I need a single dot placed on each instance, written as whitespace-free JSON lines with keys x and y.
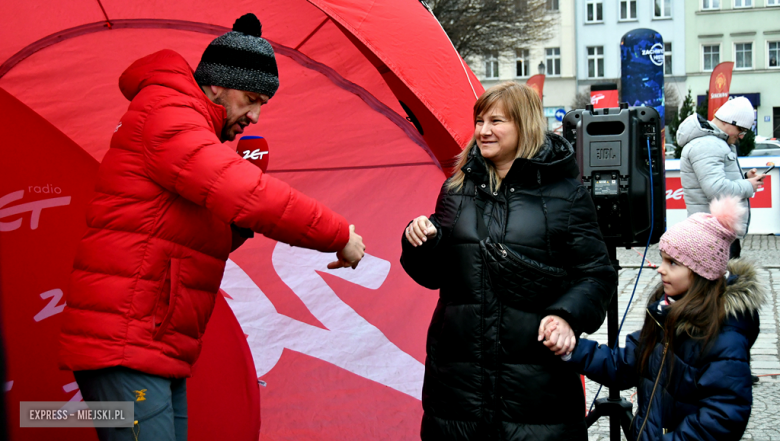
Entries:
{"x":487,"y":375}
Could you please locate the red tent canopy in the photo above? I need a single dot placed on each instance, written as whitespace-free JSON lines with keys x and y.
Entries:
{"x":341,"y":351}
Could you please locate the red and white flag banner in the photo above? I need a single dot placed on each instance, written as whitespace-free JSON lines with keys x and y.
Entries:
{"x":720,"y":84}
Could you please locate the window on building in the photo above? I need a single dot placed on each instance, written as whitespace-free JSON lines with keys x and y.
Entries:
{"x":667,"y":58}
{"x":710,"y":4}
{"x":552,"y":5}
{"x":594,"y":11}
{"x":743,"y":55}
{"x":773,"y":2}
{"x":552,"y":60}
{"x":774,"y":53}
{"x":743,"y":3}
{"x":628,"y":9}
{"x":663,"y":9}
{"x":710,"y":56}
{"x":523,"y":62}
{"x":491,"y":65}
{"x":596,"y":62}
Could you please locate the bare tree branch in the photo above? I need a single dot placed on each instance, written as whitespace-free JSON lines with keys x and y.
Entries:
{"x":479,"y":27}
{"x":581,"y":99}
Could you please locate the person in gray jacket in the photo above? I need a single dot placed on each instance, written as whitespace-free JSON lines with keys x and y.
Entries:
{"x":709,"y":167}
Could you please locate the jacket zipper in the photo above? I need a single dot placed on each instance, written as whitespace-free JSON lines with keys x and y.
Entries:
{"x":511,"y":257}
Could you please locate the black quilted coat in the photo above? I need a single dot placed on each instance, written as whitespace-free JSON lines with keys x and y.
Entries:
{"x":486,"y":375}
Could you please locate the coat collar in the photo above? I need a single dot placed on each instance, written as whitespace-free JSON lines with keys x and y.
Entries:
{"x":554,"y":161}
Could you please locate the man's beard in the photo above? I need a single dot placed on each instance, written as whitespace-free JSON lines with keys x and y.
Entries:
{"x":244,"y":121}
{"x":226,"y":135}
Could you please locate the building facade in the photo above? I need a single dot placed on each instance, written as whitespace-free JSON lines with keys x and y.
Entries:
{"x":600,"y":26}
{"x":746,"y":32}
{"x":554,"y":58}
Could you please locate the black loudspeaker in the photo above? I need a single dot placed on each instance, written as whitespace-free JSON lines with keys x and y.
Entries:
{"x":612,"y":152}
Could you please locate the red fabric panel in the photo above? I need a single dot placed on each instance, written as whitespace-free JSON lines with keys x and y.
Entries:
{"x":36,"y":254}
{"x":223,"y":387}
{"x":311,"y":392}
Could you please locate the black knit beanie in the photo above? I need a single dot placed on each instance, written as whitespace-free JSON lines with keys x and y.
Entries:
{"x":240,"y":59}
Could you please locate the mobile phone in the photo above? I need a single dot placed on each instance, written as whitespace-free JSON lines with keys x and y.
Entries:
{"x":766,"y":173}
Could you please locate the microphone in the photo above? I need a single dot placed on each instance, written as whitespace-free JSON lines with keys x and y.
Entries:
{"x":255,"y":150}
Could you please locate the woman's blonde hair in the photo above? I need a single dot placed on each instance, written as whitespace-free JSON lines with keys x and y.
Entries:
{"x":523,"y":107}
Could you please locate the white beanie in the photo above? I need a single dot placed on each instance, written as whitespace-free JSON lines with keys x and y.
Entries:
{"x":737,"y":111}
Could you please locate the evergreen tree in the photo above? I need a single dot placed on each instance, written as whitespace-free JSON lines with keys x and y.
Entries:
{"x":686,"y":110}
{"x":704,"y":109}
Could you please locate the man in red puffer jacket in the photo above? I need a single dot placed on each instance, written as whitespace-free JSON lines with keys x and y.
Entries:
{"x":159,"y":230}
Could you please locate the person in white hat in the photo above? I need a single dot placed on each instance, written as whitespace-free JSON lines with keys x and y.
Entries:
{"x":709,"y":167}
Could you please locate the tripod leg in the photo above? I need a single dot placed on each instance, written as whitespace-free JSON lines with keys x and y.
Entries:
{"x":626,"y":418}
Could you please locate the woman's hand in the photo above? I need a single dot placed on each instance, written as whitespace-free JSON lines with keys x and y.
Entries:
{"x":419,"y":231}
{"x":557,"y":335}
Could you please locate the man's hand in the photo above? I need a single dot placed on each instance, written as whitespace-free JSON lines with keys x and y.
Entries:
{"x":751,"y":173}
{"x":351,"y":255}
{"x":419,"y":231}
{"x":557,"y":335}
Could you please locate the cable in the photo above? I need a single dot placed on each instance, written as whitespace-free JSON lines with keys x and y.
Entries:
{"x":644,"y":257}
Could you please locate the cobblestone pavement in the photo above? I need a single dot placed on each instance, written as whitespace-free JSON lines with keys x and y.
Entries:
{"x":763,"y":424}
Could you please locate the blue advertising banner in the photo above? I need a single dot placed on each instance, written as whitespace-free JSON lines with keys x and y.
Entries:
{"x":642,"y":66}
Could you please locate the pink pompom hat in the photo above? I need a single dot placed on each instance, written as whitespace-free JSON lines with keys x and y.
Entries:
{"x":701,"y":242}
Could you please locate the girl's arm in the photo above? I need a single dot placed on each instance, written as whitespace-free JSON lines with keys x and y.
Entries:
{"x":600,"y":363}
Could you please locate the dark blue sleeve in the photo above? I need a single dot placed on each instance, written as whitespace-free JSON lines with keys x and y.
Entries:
{"x":612,"y":368}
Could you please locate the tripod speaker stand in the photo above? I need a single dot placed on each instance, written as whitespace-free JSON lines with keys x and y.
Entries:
{"x":620,"y":155}
{"x":619,"y":410}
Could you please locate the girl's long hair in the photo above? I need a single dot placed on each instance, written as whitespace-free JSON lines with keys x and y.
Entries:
{"x":523,"y":106}
{"x":699,"y":314}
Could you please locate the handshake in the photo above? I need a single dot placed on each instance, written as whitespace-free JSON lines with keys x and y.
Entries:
{"x":557,"y":335}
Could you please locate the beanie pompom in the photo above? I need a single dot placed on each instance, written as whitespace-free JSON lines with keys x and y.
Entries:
{"x":248,"y":24}
{"x":729,"y":212}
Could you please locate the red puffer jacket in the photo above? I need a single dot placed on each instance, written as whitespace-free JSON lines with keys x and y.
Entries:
{"x":147,"y":271}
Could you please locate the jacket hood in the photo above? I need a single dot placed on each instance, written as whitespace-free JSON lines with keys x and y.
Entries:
{"x":742,"y":299}
{"x":695,"y":126}
{"x":554,"y":161}
{"x":745,"y":294}
{"x":163,"y":68}
{"x":167,"y":68}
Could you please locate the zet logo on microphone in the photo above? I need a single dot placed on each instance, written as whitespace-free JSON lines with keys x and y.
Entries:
{"x":254,"y":154}
{"x":255,"y":150}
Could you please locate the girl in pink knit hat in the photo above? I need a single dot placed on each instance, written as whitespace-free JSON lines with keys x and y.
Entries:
{"x":689,"y":362}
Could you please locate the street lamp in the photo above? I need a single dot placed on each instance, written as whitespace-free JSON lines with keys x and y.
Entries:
{"x":540,"y":68}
